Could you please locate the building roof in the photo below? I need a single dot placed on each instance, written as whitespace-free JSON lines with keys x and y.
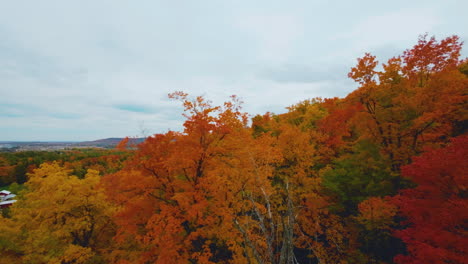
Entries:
{"x":8,"y":196}
{"x":7,"y":202}
{"x":5,"y":192}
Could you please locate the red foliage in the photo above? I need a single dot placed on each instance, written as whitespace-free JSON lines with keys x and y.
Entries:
{"x":336,"y":125}
{"x":436,"y":210}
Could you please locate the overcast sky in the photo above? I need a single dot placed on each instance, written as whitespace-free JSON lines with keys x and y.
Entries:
{"x":85,"y":70}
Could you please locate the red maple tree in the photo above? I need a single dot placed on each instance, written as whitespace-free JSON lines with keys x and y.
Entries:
{"x":436,"y":210}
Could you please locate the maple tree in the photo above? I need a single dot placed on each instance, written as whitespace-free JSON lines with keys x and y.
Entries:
{"x":415,"y":98}
{"x":59,"y":218}
{"x":182,"y":187}
{"x":315,"y":232}
{"x":435,"y":210}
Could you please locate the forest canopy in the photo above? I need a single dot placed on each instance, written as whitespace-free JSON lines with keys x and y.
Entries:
{"x":379,"y":176}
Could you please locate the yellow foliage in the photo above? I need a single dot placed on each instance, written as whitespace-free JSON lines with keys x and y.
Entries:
{"x":60,"y":218}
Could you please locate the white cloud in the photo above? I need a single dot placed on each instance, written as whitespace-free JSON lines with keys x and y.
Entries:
{"x":275,"y":34}
{"x":68,"y":69}
{"x":394,"y":29}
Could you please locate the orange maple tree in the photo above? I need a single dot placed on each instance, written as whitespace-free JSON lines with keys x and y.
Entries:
{"x":414,"y":100}
{"x":177,"y":192}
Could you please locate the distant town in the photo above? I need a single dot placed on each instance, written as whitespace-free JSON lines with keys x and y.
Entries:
{"x":17,"y":146}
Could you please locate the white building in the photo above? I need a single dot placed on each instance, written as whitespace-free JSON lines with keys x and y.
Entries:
{"x":6,"y":199}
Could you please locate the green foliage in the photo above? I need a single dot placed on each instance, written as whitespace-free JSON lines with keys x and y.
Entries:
{"x":15,"y":188}
{"x":359,"y":175}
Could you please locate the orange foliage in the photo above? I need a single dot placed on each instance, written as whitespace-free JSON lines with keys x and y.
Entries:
{"x":376,"y":212}
{"x":414,"y":101}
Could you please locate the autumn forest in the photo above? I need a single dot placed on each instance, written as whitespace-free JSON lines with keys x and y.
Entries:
{"x":379,"y":176}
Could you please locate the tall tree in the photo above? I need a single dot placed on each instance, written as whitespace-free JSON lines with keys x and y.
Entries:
{"x":436,"y":210}
{"x":414,"y":100}
{"x":178,"y":193}
{"x":315,"y":233}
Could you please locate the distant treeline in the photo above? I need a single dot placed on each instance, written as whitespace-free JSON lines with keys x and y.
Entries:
{"x":14,"y":166}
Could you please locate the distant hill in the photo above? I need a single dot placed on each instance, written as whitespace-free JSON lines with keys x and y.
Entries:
{"x":108,"y":142}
